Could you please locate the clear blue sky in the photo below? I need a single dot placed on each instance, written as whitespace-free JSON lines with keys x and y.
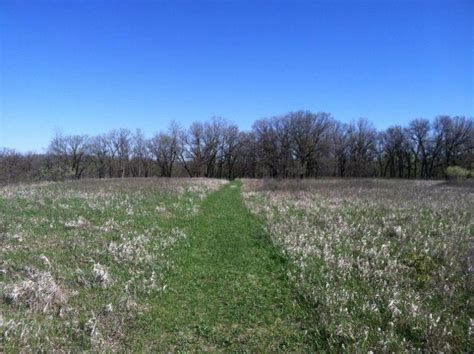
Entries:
{"x":90,"y":66}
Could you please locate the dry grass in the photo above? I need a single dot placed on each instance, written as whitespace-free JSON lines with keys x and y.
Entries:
{"x":380,"y":265}
{"x":80,"y":259}
{"x":385,"y":264}
{"x":39,"y":292}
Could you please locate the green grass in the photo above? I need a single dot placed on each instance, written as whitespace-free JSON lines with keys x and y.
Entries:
{"x":228,"y":290}
{"x":385,"y":263}
{"x":200,"y":265}
{"x":132,"y":228}
{"x":221,"y":285}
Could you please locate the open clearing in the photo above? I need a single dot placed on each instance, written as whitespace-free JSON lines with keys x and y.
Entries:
{"x":196,"y":264}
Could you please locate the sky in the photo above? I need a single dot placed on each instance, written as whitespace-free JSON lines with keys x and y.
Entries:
{"x":86,"y":67}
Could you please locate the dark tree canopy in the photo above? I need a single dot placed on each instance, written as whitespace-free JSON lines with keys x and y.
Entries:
{"x":299,"y":144}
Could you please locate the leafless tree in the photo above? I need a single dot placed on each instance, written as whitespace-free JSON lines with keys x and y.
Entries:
{"x":395,"y":147}
{"x":298,"y":144}
{"x":166,"y":149}
{"x":69,"y":152}
{"x":362,"y":138}
{"x":418,"y":133}
{"x":100,"y":152}
{"x":121,"y":144}
{"x":140,"y":154}
{"x":456,"y":138}
{"x":308,"y":132}
{"x":340,"y":146}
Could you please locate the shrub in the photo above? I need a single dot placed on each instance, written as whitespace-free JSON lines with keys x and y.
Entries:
{"x":457,"y":172}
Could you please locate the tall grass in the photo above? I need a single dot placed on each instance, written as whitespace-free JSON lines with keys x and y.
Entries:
{"x":386,"y":265}
{"x":80,"y":260}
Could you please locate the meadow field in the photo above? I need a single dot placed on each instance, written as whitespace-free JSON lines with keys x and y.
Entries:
{"x":386,"y":264}
{"x":167,"y":264}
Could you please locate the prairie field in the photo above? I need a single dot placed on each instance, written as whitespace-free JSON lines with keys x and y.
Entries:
{"x":167,"y":264}
{"x":386,"y":264}
{"x":80,"y":260}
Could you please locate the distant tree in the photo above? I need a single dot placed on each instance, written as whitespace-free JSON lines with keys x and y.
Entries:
{"x":456,"y":139}
{"x":418,"y":134}
{"x":339,"y":136}
{"x":99,"y":150}
{"x":395,"y":147}
{"x":10,"y":165}
{"x":140,"y":154}
{"x":273,"y":145}
{"x":297,"y":144}
{"x":308,"y":133}
{"x":166,"y":149}
{"x":161,"y":147}
{"x":58,"y":166}
{"x":246,"y":158}
{"x":76,"y":150}
{"x":361,"y":140}
{"x":231,"y":149}
{"x":68,"y":152}
{"x":121,"y":145}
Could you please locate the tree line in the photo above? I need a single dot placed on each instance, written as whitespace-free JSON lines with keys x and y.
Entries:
{"x":299,"y":144}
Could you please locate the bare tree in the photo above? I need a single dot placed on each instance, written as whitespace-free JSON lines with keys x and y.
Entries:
{"x":99,"y":151}
{"x":362,"y":142}
{"x":140,"y":154}
{"x":307,"y":132}
{"x":232,"y":145}
{"x":418,"y":133}
{"x":121,"y":143}
{"x":395,"y":147}
{"x":456,"y":135}
{"x":273,"y":146}
{"x":161,"y":147}
{"x":69,"y":153}
{"x":10,"y":165}
{"x":57,"y":149}
{"x":76,"y":150}
{"x":340,"y":146}
{"x":166,"y":149}
{"x":246,"y":160}
{"x":298,"y":144}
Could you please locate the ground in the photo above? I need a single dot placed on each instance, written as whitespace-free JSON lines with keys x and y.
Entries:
{"x":195,"y":264}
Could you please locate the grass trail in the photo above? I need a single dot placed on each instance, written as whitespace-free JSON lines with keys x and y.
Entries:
{"x":228,"y":290}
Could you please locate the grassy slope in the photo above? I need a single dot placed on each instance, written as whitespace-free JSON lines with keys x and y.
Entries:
{"x":229,"y":289}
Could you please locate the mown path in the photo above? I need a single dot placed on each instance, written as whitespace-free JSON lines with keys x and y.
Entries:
{"x":228,"y":290}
